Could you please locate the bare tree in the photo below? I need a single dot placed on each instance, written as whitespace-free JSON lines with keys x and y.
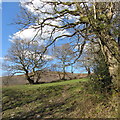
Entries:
{"x":86,"y":20}
{"x":87,"y":58}
{"x":64,"y":55}
{"x":27,"y":58}
{"x":57,"y":68}
{"x":84,"y":63}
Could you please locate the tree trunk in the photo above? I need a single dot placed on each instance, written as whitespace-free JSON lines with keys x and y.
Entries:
{"x":114,"y":68}
{"x":29,"y":79}
{"x":38,"y":76}
{"x":112,"y":55}
{"x":89,"y":72}
{"x":64,"y":72}
{"x":59,"y":75}
{"x":37,"y":80}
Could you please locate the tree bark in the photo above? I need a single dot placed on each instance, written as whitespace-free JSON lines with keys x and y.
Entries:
{"x":59,"y":75}
{"x":114,"y":68}
{"x":112,"y":55}
{"x":64,"y":72}
{"x":29,"y":79}
{"x":89,"y":72}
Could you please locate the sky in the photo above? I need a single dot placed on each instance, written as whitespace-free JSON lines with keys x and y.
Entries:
{"x":10,"y":10}
{"x":9,"y":13}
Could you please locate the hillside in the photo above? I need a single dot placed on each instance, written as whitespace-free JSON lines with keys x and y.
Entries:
{"x":67,"y":99}
{"x":48,"y":76}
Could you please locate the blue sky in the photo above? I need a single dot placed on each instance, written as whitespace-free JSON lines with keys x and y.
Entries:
{"x":9,"y":13}
{"x":10,"y":10}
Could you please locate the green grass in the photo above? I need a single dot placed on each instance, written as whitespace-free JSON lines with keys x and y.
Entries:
{"x":66,"y":99}
{"x":46,"y":84}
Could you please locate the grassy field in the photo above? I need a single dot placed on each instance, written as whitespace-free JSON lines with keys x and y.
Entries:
{"x":67,"y":99}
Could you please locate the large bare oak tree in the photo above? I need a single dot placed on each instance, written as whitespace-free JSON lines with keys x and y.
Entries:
{"x":27,"y":58}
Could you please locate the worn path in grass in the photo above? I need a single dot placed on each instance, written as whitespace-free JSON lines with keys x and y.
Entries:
{"x":66,"y":99}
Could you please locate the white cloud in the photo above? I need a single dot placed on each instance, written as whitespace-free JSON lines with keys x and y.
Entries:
{"x":27,"y":35}
{"x":40,"y":6}
{"x":85,"y":47}
{"x":30,"y":33}
{"x":48,"y":57}
{"x":33,"y":55}
{"x":2,"y":58}
{"x":33,"y":5}
{"x":60,"y":33}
